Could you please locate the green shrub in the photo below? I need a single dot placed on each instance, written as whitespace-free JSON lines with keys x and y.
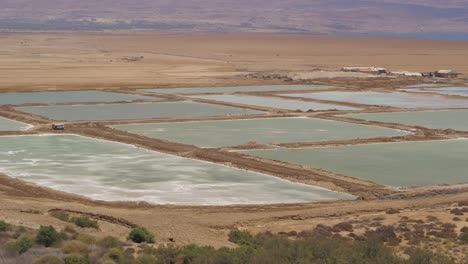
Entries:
{"x":84,"y":222}
{"x":110,"y":242}
{"x":146,"y":259}
{"x":3,"y":226}
{"x":463,"y":238}
{"x":19,"y":231}
{"x":421,"y":256}
{"x":116,"y":255}
{"x":241,"y":238}
{"x":87,"y":239}
{"x":48,"y":259}
{"x":22,"y":245}
{"x":75,"y":259}
{"x":47,"y":236}
{"x":75,"y":247}
{"x":141,"y":234}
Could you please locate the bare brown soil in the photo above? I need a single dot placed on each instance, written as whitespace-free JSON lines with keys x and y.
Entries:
{"x":48,"y":61}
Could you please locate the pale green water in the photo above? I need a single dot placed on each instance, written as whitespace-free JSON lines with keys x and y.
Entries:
{"x":441,"y":119}
{"x":271,"y":102}
{"x":264,"y":131}
{"x":267,"y":88}
{"x":68,"y":97}
{"x":112,"y":171}
{"x":135,"y":111}
{"x":400,"y":100}
{"x":394,"y":164}
{"x":460,"y":91}
{"x":11,"y":125}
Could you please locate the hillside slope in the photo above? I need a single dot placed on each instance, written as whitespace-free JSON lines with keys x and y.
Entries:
{"x":320,"y":16}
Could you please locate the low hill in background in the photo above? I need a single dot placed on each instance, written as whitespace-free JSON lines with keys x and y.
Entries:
{"x":353,"y":17}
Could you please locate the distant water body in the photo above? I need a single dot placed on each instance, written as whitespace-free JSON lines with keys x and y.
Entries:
{"x":438,"y":36}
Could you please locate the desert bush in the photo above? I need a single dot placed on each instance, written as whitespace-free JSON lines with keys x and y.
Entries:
{"x":241,"y":237}
{"x":463,"y":238}
{"x":392,"y":211}
{"x":141,"y":234}
{"x":75,"y":259}
{"x":87,"y":239}
{"x":84,"y":222}
{"x":110,"y":242}
{"x":420,"y":256}
{"x":344,"y":226}
{"x":323,"y":230}
{"x":75,"y":247}
{"x":21,"y":245}
{"x":48,"y":259}
{"x":116,"y":255}
{"x":146,"y":259}
{"x":383,"y":233}
{"x":3,"y":226}
{"x":20,"y":230}
{"x":47,"y":236}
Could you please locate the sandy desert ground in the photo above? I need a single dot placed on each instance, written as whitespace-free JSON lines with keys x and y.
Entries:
{"x":37,"y":61}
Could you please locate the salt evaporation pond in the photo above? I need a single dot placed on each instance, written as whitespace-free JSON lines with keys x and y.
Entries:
{"x":440,"y":119}
{"x":266,"y":88}
{"x":271,"y":102}
{"x":400,"y":100}
{"x":68,"y":97}
{"x":11,"y":125}
{"x":460,"y":91}
{"x":394,"y":164}
{"x":112,"y":171}
{"x":135,"y":111}
{"x":262,"y":131}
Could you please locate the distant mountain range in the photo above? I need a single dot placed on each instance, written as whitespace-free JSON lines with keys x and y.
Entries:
{"x":342,"y":17}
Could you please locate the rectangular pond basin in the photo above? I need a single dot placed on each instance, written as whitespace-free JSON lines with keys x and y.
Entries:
{"x":440,"y":119}
{"x":394,"y":164}
{"x":12,"y":125}
{"x":272,"y":102}
{"x":266,"y":88}
{"x":135,"y":111}
{"x":400,"y":100}
{"x":68,"y":97}
{"x":261,"y":131}
{"x":460,"y":91}
{"x":112,"y":171}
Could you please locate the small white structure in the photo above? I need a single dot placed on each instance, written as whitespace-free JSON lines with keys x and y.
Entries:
{"x":446,"y":74}
{"x":371,"y":70}
{"x":407,"y":73}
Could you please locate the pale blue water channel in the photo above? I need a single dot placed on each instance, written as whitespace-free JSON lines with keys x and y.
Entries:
{"x":68,"y":97}
{"x":394,"y":164}
{"x":460,"y":91}
{"x":262,"y":131}
{"x":11,"y":125}
{"x":135,"y":111}
{"x":400,"y":100}
{"x":439,"y":119}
